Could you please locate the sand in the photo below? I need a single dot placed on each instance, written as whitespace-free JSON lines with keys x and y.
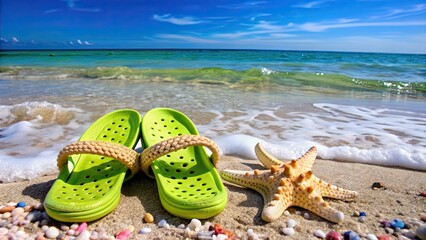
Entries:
{"x":400,"y":198}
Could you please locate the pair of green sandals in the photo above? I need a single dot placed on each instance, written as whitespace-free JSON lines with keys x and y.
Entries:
{"x":93,"y":169}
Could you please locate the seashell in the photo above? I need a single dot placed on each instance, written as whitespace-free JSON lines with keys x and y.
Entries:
{"x":148,"y":218}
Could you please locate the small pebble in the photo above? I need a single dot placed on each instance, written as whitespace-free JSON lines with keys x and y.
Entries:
{"x":421,"y":232}
{"x":162,"y":224}
{"x":252,"y":235}
{"x":351,"y":235}
{"x":362,"y":214}
{"x":423,"y":217}
{"x":371,"y":236}
{"x":205,"y":235}
{"x":384,"y":237}
{"x":291,"y":223}
{"x":82,"y":227}
{"x":385,"y":224}
{"x":319,"y":234}
{"x":333,"y":235}
{"x":52,"y":232}
{"x":408,"y":233}
{"x":195,"y":224}
{"x":389,"y":230}
{"x":148,"y":218}
{"x":3,"y":231}
{"x":7,"y":209}
{"x":361,"y":219}
{"x":377,"y":185}
{"x":306,"y":216}
{"x":287,"y":213}
{"x":74,"y":226}
{"x":221,"y":237}
{"x":21,"y":204}
{"x":288,"y":231}
{"x":145,"y":230}
{"x":181,"y":226}
{"x":423,"y":194}
{"x":71,"y":232}
{"x":84,"y":235}
{"x":123,"y":235}
{"x":396,"y":223}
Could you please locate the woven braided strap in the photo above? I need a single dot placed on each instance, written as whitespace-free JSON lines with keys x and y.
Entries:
{"x":173,"y":144}
{"x":127,"y":156}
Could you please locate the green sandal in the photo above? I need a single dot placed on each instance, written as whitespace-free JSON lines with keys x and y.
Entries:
{"x":188,"y":184}
{"x":93,"y":169}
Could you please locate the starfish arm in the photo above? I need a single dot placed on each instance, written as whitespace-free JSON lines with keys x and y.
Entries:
{"x":278,"y":202}
{"x":267,"y":159}
{"x":305,"y":162}
{"x":332,"y":191}
{"x":257,"y":180}
{"x":312,"y":201}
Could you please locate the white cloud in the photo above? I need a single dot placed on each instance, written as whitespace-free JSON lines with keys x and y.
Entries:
{"x":79,"y":42}
{"x":3,"y":40}
{"x":87,"y":43}
{"x":15,"y":40}
{"x":185,"y":38}
{"x":71,"y":42}
{"x":321,"y":27}
{"x":52,"y":10}
{"x":178,"y":21}
{"x":399,"y":13}
{"x":242,"y":5}
{"x":312,"y":4}
{"x":259,"y":16}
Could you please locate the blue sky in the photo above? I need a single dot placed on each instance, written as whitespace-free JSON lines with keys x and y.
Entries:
{"x":329,"y":25}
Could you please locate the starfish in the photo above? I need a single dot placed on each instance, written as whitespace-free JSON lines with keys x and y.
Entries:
{"x":290,"y":183}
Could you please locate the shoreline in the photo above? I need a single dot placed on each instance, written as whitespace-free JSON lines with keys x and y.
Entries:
{"x":400,"y":198}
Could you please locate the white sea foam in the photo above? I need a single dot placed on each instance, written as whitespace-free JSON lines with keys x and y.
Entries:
{"x":342,"y":133}
{"x":31,"y":136}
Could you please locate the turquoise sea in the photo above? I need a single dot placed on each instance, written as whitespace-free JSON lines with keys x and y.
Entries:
{"x":357,"y":107}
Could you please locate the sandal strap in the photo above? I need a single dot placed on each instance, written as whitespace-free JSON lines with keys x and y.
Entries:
{"x":126,"y":155}
{"x":155,"y":151}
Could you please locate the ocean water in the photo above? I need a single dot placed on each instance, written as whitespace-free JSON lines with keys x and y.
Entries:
{"x":356,"y":107}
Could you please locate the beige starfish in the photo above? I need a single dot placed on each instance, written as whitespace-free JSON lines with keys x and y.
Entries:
{"x":290,"y":183}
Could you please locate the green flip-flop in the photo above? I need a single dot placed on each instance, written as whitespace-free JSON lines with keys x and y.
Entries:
{"x":93,"y":169}
{"x":188,"y":183}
